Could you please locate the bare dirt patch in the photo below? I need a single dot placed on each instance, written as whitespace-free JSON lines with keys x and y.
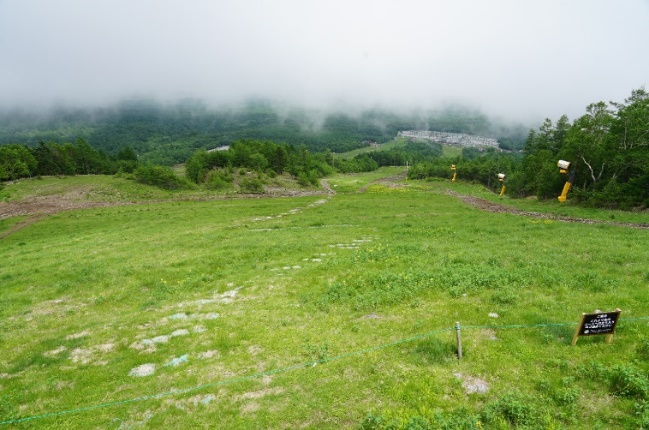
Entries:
{"x":38,"y":207}
{"x":488,"y":206}
{"x":48,"y":205}
{"x":472,"y":385}
{"x":389,"y":182}
{"x":143,"y":370}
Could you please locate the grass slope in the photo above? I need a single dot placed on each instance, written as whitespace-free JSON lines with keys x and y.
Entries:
{"x":208,"y":293}
{"x":449,"y":150}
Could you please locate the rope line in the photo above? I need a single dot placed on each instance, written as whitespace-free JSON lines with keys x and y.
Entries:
{"x":284,"y":369}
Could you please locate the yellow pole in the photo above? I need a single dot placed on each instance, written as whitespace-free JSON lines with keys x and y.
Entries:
{"x":564,"y":194}
{"x":454,"y":175}
{"x":502,"y":190}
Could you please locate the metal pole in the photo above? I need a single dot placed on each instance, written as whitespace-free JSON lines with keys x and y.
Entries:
{"x":459,"y":340}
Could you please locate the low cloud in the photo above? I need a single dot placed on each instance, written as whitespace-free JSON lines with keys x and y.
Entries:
{"x":516,"y":60}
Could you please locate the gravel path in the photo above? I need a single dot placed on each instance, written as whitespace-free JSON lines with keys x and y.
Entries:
{"x":488,"y":206}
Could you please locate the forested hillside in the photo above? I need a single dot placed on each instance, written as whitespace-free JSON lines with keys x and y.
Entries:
{"x":169,"y":134}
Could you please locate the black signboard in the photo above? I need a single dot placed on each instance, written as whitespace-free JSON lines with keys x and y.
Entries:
{"x":597,"y":323}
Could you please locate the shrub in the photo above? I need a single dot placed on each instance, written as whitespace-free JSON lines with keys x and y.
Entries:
{"x":218,"y":180}
{"x":251,"y":185}
{"x":303,"y":180}
{"x":160,"y":176}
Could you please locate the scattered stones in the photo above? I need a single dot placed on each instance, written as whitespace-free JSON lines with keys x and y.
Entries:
{"x":178,"y":361}
{"x":77,"y":335}
{"x":55,"y":351}
{"x":81,"y":355}
{"x":210,"y":316}
{"x":147,"y":369}
{"x":345,"y":246}
{"x":180,"y":332}
{"x":199,"y":329}
{"x":159,"y":339}
{"x":105,"y":348}
{"x":207,"y":399}
{"x":179,"y":316}
{"x":149,"y":344}
{"x":227,"y":297}
{"x":209,"y":354}
{"x":493,"y":315}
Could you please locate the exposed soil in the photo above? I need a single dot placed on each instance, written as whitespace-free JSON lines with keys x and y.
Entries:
{"x":37,"y":208}
{"x":47,"y":205}
{"x":390,"y":182}
{"x":488,"y":206}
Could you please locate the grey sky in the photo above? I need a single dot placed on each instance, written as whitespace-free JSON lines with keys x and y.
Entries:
{"x":517,"y":59}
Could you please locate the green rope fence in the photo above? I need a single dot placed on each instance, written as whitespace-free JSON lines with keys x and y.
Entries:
{"x":284,"y":369}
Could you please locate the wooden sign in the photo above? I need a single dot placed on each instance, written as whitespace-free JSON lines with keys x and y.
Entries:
{"x":598,"y":323}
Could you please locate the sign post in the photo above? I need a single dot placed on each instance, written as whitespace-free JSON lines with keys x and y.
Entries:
{"x":599,"y":323}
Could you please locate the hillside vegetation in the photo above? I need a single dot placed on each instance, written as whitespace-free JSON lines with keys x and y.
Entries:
{"x":606,"y":149}
{"x":183,"y":309}
{"x":167,"y":134}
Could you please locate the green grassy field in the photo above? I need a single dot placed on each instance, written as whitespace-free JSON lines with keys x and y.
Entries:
{"x":318,"y":312}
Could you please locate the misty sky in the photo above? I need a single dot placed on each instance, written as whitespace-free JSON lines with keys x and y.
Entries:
{"x":524,"y":60}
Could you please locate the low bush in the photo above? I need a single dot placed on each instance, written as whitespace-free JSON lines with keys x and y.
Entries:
{"x":160,"y":176}
{"x":218,"y":179}
{"x":251,"y":185}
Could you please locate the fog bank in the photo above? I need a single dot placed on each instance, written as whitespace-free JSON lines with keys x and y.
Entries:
{"x":518,"y":60}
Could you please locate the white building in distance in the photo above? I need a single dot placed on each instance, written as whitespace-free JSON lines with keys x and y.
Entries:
{"x":450,"y":138}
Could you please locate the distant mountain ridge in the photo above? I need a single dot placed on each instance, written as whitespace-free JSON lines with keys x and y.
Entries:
{"x":170,"y":133}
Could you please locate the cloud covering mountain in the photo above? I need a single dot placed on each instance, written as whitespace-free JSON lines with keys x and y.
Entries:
{"x":520,"y":60}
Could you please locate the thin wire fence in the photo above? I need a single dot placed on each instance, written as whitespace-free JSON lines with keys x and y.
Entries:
{"x":288,"y":369}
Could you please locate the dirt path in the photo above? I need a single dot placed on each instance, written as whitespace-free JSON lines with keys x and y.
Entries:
{"x":390,"y":182}
{"x":326,"y":187}
{"x":488,"y":206}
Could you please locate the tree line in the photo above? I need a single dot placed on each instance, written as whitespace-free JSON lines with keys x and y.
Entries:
{"x":78,"y":158}
{"x":608,"y":148}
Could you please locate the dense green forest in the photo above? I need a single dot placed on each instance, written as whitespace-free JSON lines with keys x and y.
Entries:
{"x":608,"y":148}
{"x":169,"y":134}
